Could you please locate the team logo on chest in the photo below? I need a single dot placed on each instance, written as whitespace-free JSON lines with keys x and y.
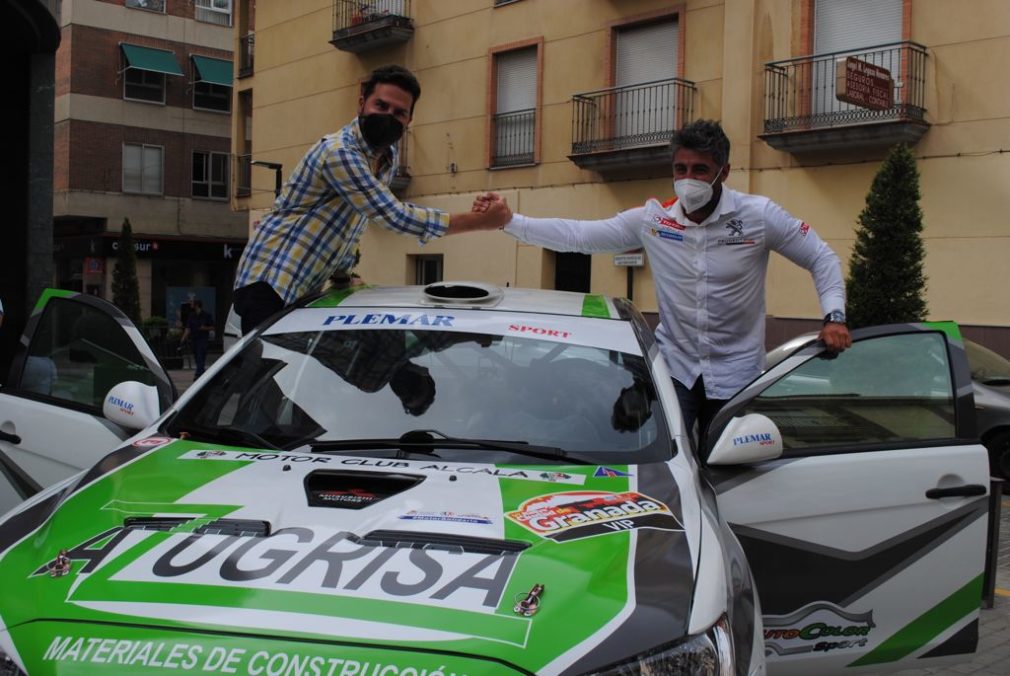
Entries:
{"x":735,"y":235}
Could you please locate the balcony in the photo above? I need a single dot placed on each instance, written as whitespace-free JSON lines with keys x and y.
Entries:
{"x":803,"y":113}
{"x":364,"y":25}
{"x":247,"y":45}
{"x":514,"y":135}
{"x":628,"y":128}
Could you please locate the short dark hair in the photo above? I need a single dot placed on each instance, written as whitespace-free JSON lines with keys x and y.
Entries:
{"x":703,"y":136}
{"x":394,"y":75}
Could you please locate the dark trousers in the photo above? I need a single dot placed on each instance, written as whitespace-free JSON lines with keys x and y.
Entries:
{"x":696,"y":406}
{"x":255,"y":303}
{"x":200,"y":356}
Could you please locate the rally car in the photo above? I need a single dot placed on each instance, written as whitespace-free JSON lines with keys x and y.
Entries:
{"x":463,"y":479}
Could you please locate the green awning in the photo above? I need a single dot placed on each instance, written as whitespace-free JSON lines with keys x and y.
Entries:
{"x":148,"y":58}
{"x":214,"y":71}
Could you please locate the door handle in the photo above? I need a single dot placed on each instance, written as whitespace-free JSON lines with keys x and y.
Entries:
{"x":965,"y":491}
{"x":10,"y":438}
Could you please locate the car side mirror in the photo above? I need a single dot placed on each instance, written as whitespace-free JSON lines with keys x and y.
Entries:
{"x":746,"y":439}
{"x":132,"y":405}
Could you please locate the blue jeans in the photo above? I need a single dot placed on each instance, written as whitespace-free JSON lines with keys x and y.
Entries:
{"x":696,"y":406}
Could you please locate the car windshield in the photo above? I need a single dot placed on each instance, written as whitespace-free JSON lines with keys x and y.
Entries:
{"x":298,"y":390}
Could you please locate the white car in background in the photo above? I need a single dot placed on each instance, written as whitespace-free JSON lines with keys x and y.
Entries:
{"x":466,"y":479}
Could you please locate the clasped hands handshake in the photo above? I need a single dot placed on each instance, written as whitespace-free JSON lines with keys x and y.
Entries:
{"x":495,"y":206}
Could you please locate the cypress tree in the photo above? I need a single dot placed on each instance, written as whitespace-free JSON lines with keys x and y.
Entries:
{"x":125,"y":288}
{"x":886,"y":283}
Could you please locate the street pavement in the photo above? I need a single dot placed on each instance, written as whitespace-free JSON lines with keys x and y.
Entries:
{"x":993,"y":655}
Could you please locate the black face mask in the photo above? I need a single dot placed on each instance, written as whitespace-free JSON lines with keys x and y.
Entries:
{"x":381,"y":131}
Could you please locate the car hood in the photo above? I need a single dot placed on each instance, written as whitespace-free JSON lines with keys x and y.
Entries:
{"x":210,"y":553}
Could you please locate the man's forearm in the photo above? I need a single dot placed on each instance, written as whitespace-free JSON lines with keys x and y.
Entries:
{"x":472,"y":221}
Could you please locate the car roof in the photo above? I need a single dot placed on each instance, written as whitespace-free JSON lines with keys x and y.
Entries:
{"x":477,"y":295}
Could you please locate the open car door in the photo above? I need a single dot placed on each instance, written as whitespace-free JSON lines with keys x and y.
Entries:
{"x":867,"y":534}
{"x":75,"y":348}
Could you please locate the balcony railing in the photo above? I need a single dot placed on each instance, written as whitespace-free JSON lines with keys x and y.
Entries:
{"x":247,"y":45}
{"x":633,"y":115}
{"x":243,"y":175}
{"x":514,"y":135}
{"x":363,"y":25}
{"x":800,"y":93}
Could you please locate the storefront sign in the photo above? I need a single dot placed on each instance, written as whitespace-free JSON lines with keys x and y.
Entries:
{"x":107,"y":246}
{"x":863,"y":84}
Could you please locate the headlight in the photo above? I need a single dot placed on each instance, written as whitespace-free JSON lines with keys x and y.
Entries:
{"x":708,"y":654}
{"x":8,"y":667}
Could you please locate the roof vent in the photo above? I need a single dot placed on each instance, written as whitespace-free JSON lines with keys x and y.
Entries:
{"x":462,"y":293}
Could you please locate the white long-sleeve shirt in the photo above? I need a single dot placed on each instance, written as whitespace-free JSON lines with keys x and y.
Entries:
{"x":709,"y":277}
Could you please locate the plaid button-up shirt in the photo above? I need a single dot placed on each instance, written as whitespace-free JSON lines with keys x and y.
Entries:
{"x":320,"y":215}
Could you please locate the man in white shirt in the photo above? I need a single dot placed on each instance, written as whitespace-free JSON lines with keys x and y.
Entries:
{"x":708,"y":250}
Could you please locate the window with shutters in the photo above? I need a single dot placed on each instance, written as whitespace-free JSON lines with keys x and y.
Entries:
{"x":143,"y":167}
{"x":627,"y":126}
{"x":858,"y":68}
{"x":851,"y":28}
{"x":516,"y":102}
{"x":645,"y":94}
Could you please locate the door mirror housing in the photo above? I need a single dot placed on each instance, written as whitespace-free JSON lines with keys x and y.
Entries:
{"x":747,"y":439}
{"x":132,"y":405}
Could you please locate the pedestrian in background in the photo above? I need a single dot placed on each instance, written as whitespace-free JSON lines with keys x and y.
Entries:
{"x":199,"y":325}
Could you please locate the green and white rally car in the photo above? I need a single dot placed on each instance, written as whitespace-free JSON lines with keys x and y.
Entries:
{"x":462,"y":479}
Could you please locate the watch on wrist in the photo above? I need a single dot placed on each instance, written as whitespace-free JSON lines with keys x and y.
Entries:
{"x":834,"y":317}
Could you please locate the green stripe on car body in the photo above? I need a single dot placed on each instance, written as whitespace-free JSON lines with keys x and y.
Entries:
{"x":595,"y":306}
{"x":49,"y":294}
{"x":554,"y":564}
{"x":948,"y":327}
{"x":591,"y":573}
{"x":920,"y":631}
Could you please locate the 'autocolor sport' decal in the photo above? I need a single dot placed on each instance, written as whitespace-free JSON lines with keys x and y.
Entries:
{"x":818,"y":627}
{"x":571,"y":516}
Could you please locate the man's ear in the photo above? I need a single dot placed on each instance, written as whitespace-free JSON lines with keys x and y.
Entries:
{"x":724,"y":174}
{"x":361,"y":104}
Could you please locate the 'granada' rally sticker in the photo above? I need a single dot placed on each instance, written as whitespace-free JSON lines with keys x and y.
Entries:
{"x":581,"y":514}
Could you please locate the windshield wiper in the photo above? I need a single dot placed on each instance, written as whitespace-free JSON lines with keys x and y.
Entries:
{"x":426,"y":441}
{"x":230,"y":435}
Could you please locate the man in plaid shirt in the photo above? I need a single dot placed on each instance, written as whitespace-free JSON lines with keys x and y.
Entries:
{"x":341,"y":184}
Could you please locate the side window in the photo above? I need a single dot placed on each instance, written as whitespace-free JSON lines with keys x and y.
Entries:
{"x":78,"y":353}
{"x":887,"y":389}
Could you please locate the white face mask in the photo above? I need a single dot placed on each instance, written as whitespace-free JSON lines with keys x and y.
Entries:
{"x":694,"y":194}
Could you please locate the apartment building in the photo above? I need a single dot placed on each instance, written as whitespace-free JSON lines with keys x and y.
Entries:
{"x":142,"y":132}
{"x":567,"y":106}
